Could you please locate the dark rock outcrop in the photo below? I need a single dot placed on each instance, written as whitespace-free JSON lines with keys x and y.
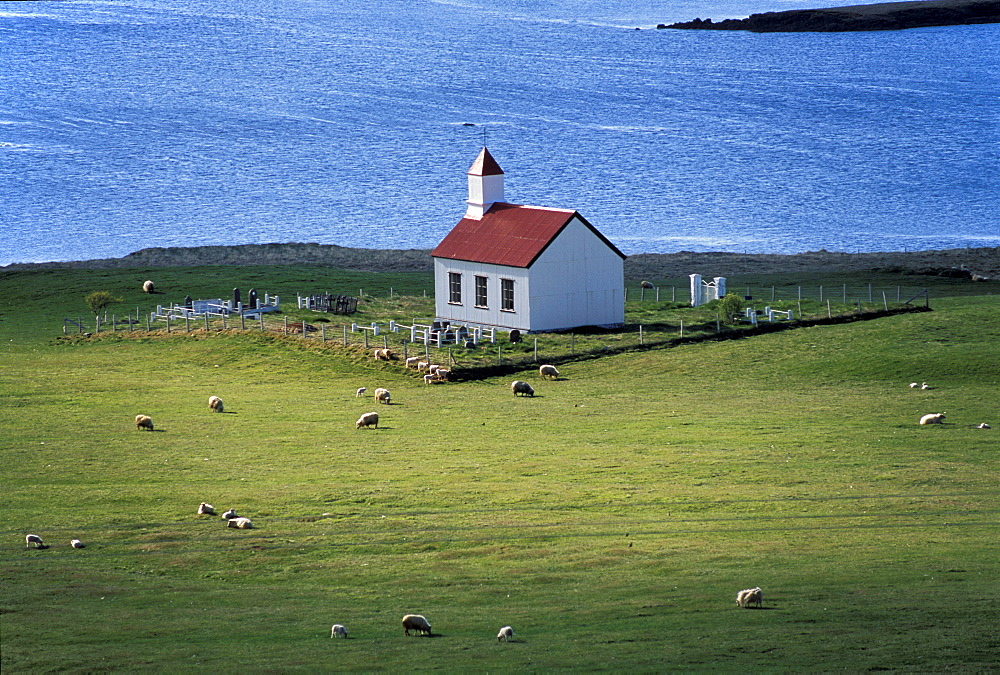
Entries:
{"x":884,"y":16}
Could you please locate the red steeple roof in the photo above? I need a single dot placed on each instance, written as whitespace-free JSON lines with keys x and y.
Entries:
{"x":485,"y":165}
{"x":508,"y":234}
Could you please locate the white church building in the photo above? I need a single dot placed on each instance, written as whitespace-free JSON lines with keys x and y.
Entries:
{"x":529,"y":268}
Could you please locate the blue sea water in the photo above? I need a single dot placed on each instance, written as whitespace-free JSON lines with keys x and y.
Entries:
{"x":137,"y":123}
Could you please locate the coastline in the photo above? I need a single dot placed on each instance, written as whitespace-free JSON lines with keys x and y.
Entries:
{"x":971,"y":262}
{"x":881,"y":16}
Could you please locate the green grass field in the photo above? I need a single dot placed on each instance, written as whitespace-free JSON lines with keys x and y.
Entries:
{"x":610,"y":519}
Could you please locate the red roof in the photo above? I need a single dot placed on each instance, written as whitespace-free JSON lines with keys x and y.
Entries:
{"x":509,"y":234}
{"x":485,"y":165}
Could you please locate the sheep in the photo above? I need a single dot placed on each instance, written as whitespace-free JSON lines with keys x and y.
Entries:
{"x":984,"y":425}
{"x":368,"y":420}
{"x":505,"y":634}
{"x":143,"y":422}
{"x":412,"y":361}
{"x":215,"y":404}
{"x":416,"y":622}
{"x":646,"y":284}
{"x":523,"y":388}
{"x":383,"y":354}
{"x":750,"y":596}
{"x":914,"y":385}
{"x":428,"y":379}
{"x":422,"y":366}
{"x":338,"y":631}
{"x":383,"y":396}
{"x":548,"y":370}
{"x":33,"y":539}
{"x":148,"y":287}
{"x":360,"y":392}
{"x":442,"y":374}
{"x":206,"y":509}
{"x":241,"y":523}
{"x":925,"y":386}
{"x":932,"y":418}
{"x":230,"y":514}
{"x":76,"y":543}
{"x":432,"y":368}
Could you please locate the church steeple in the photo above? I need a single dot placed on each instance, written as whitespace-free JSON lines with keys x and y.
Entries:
{"x":485,"y":185}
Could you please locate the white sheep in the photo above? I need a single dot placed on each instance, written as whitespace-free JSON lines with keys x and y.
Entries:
{"x":206,"y":509}
{"x":984,"y":425}
{"x":148,"y":287}
{"x":241,"y":523}
{"x":143,"y":422}
{"x":76,"y":543}
{"x":33,"y":539}
{"x":383,"y":354}
{"x":750,"y":596}
{"x":548,"y":370}
{"x":523,"y":388}
{"x":422,"y":366}
{"x":360,"y":392}
{"x":505,"y":634}
{"x":932,"y":418}
{"x":925,"y":386}
{"x":368,"y":420}
{"x":412,"y":361}
{"x":338,"y":631}
{"x":428,"y":379}
{"x":230,"y":514}
{"x":914,"y":385}
{"x":416,"y":622}
{"x":433,"y":368}
{"x":215,"y":404}
{"x":442,"y":374}
{"x":383,"y":396}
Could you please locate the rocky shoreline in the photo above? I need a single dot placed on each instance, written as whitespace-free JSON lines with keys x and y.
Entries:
{"x":981,"y":263}
{"x":883,"y":16}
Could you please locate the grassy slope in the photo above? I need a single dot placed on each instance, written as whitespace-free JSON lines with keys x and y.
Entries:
{"x":610,"y":519}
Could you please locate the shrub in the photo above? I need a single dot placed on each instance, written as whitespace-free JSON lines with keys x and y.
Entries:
{"x":98,"y":301}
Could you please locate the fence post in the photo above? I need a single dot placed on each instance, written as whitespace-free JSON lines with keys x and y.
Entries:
{"x":821,"y":293}
{"x":899,"y":293}
{"x":303,"y":329}
{"x":322,"y":332}
{"x":114,"y":323}
{"x":130,"y":323}
{"x":869,"y":293}
{"x":642,"y":293}
{"x":536,"y":350}
{"x":657,"y":293}
{"x":845,"y":294}
{"x":79,"y":321}
{"x":168,"y":323}
{"x":885,"y":301}
{"x":366,"y":338}
{"x":499,"y":354}
{"x":261,"y":317}
{"x":187,"y":323}
{"x":385,"y":341}
{"x":772,"y":293}
{"x":243,"y":322}
{"x":682,"y":327}
{"x":673,"y":294}
{"x":224,"y":327}
{"x":286,"y":325}
{"x":451,"y":358}
{"x":800,"y":292}
{"x":640,"y":334}
{"x":147,"y":323}
{"x":404,"y":350}
{"x":626,"y":295}
{"x":572,"y":344}
{"x":829,"y":314}
{"x":718,"y":324}
{"x":345,"y":334}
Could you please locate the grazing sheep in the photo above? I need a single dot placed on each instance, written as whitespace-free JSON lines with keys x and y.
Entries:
{"x":422,"y":366}
{"x":360,"y":392}
{"x":33,"y":539}
{"x":932,"y":418}
{"x":230,"y":514}
{"x":984,"y":425}
{"x":338,"y":631}
{"x":143,"y":422}
{"x":548,"y":370}
{"x":206,"y":509}
{"x":416,"y":622}
{"x":925,"y":386}
{"x":241,"y":523}
{"x":505,"y":634}
{"x":914,"y":385}
{"x":750,"y":596}
{"x":368,"y":420}
{"x":646,"y":284}
{"x":433,"y":368}
{"x":215,"y":404}
{"x":522,"y":388}
{"x":76,"y":543}
{"x":442,"y":374}
{"x":148,"y":287}
{"x":412,"y":361}
{"x":428,"y":379}
{"x":383,"y":396}
{"x":383,"y":354}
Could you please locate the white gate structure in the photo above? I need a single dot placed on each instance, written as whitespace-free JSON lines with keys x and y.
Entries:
{"x":705,"y":291}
